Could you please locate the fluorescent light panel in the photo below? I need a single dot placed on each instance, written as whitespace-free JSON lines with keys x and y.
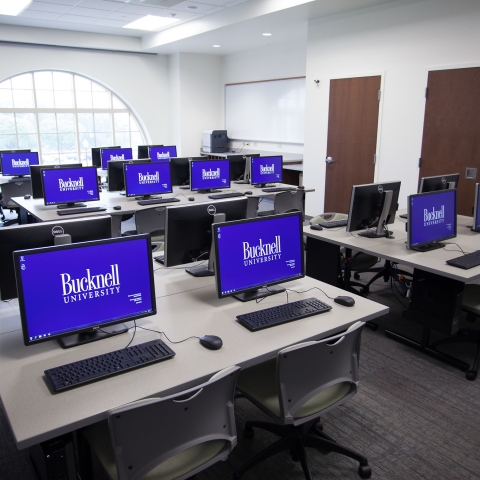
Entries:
{"x":13,"y":7}
{"x":150,"y":22}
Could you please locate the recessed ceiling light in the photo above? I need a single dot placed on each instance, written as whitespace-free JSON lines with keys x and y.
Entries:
{"x":7,"y":7}
{"x":192,"y":7}
{"x":216,"y":46}
{"x":150,"y":22}
{"x":267,"y":34}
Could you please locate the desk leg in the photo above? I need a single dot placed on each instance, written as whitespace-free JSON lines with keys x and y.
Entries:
{"x":116,"y":226}
{"x":84,"y":460}
{"x":323,"y":261}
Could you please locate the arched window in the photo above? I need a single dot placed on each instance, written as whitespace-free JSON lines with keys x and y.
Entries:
{"x":62,"y":116}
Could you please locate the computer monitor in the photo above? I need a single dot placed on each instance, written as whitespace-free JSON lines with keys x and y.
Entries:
{"x":66,"y":187}
{"x":11,"y":151}
{"x":76,"y":293}
{"x":181,"y":170}
{"x":36,"y":176}
{"x":253,"y":255}
{"x":438,"y":182}
{"x":44,"y":234}
{"x":476,"y":209}
{"x":163,"y":153}
{"x":188,"y":229}
{"x":147,"y":179}
{"x":143,"y":150}
{"x":116,"y":175}
{"x":265,"y":170}
{"x":97,"y":158}
{"x":17,"y":164}
{"x":109,"y":154}
{"x":209,"y":175}
{"x":373,"y":205}
{"x":432,"y":217}
{"x":240,"y":166}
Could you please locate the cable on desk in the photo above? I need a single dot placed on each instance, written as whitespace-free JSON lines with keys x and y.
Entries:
{"x":183,"y":267}
{"x":461,"y":249}
{"x":306,"y":291}
{"x":134,"y":332}
{"x":163,"y":333}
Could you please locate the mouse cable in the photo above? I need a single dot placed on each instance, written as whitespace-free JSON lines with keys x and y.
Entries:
{"x":163,"y":333}
{"x":305,"y":291}
{"x":453,"y":243}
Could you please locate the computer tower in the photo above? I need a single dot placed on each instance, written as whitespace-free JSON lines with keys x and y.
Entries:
{"x":215,"y":141}
{"x":54,"y":459}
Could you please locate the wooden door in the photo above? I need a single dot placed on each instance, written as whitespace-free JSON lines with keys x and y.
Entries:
{"x":352,"y":138}
{"x":451,"y":131}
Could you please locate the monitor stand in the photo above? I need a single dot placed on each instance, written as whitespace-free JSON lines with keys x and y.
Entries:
{"x":428,"y":247}
{"x":258,"y":293}
{"x":148,"y":197}
{"x":184,"y":187}
{"x":209,"y":269}
{"x":381,"y":230}
{"x":246,"y":172}
{"x":71,"y":205}
{"x":88,"y":337}
{"x":209,"y":190}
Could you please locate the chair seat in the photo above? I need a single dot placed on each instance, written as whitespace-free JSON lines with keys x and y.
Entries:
{"x":98,"y":437}
{"x":471,"y":299}
{"x":260,"y":384}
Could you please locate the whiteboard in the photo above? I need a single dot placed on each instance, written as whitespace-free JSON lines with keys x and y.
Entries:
{"x":272,"y":111}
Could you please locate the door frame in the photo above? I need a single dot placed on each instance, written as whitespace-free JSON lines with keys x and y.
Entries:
{"x":381,"y":74}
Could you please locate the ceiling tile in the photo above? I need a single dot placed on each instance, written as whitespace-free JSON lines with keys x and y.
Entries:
{"x":76,"y":19}
{"x":234,"y":2}
{"x":110,"y":23}
{"x":40,"y":15}
{"x":182,"y":15}
{"x":128,"y":17}
{"x":88,"y":12}
{"x":61,"y":2}
{"x":199,"y":8}
{"x":222,"y":3}
{"x":49,"y":7}
{"x":100,"y":5}
{"x":142,"y":10}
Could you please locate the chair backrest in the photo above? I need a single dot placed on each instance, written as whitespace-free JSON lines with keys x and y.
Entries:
{"x":305,"y":370}
{"x":146,"y":433}
{"x":328,"y":217}
{"x":289,"y":201}
{"x":15,"y":189}
{"x":150,"y":220}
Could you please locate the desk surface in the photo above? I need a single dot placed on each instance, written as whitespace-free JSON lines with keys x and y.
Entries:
{"x":395,"y":249}
{"x":186,"y":306}
{"x":287,"y":157}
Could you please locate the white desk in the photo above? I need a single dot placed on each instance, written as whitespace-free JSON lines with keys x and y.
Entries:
{"x":186,"y":306}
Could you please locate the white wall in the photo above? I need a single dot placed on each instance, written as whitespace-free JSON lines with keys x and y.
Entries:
{"x":403,"y":41}
{"x":141,"y":81}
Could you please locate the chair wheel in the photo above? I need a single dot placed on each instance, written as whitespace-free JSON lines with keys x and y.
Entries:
{"x":248,"y":433}
{"x":364,"y":471}
{"x":470,"y":375}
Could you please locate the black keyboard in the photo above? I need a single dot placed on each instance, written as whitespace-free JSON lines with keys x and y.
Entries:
{"x":278,"y":189}
{"x":96,"y":368}
{"x":72,"y":211}
{"x":270,"y":317}
{"x":216,"y":196}
{"x":155,"y":201}
{"x":334,"y":224}
{"x":467,"y":261}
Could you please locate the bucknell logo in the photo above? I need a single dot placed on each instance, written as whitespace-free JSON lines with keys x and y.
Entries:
{"x":380,"y":188}
{"x":57,"y":231}
{"x":211,"y":210}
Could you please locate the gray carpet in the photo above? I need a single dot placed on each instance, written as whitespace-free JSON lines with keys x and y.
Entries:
{"x":413,"y":418}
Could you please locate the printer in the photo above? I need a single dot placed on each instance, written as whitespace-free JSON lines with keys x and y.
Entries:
{"x":215,"y":141}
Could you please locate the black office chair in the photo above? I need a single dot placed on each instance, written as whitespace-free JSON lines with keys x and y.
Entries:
{"x":17,"y":188}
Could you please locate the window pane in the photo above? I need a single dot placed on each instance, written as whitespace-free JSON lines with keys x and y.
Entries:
{"x":67,"y":142}
{"x":103,"y":122}
{"x":122,"y":138}
{"x":82,"y":83}
{"x":84,"y":99}
{"x":50,"y":158}
{"x":134,"y":125}
{"x":87,"y":141}
{"x":65,"y":122}
{"x":103,"y":139}
{"x":49,"y":142}
{"x":98,"y":88}
{"x":45,"y":99}
{"x":47,"y":122}
{"x":22,"y":82}
{"x":7,"y":123}
{"x":63,"y":99}
{"x":43,"y":80}
{"x":28,"y":141}
{"x":85,"y":122}
{"x":7,"y":84}
{"x":69,"y":157}
{"x":137,"y":140}
{"x":6,"y":99}
{"x":26,"y":123}
{"x":23,"y":99}
{"x":62,"y":81}
{"x":117,"y":103}
{"x":8,"y":142}
{"x":121,"y":122}
{"x":101,"y":100}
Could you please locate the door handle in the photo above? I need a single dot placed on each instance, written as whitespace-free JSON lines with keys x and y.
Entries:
{"x":329,"y":160}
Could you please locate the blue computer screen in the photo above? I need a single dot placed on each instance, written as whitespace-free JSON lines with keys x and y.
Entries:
{"x":69,"y":185}
{"x":147,"y":178}
{"x":432,"y":216}
{"x":266,"y":169}
{"x":253,"y":253}
{"x":74,"y":287}
{"x":209,"y":174}
{"x":162,"y":154}
{"x":115,"y":154}
{"x":18,"y":163}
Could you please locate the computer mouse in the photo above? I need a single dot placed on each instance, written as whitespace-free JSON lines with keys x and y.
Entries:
{"x":316,"y":227}
{"x":117,"y":207}
{"x":345,"y":301}
{"x":211,"y":342}
{"x":248,"y":193}
{"x":300,"y":187}
{"x":191,"y":199}
{"x":26,"y":197}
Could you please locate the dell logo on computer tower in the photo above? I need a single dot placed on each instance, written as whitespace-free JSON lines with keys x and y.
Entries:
{"x":57,"y":231}
{"x":211,"y":209}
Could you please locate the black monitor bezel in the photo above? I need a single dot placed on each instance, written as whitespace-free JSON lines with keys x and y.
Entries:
{"x":96,"y":199}
{"x":127,"y":194}
{"x":181,"y":165}
{"x":215,"y":227}
{"x":141,"y":147}
{"x":450,"y":177}
{"x":36,"y":179}
{"x":476,"y":210}
{"x":93,"y":328}
{"x":11,"y":152}
{"x":252,"y":158}
{"x":121,"y":175}
{"x":96,"y":163}
{"x":410,"y":218}
{"x":114,"y":148}
{"x":191,"y":162}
